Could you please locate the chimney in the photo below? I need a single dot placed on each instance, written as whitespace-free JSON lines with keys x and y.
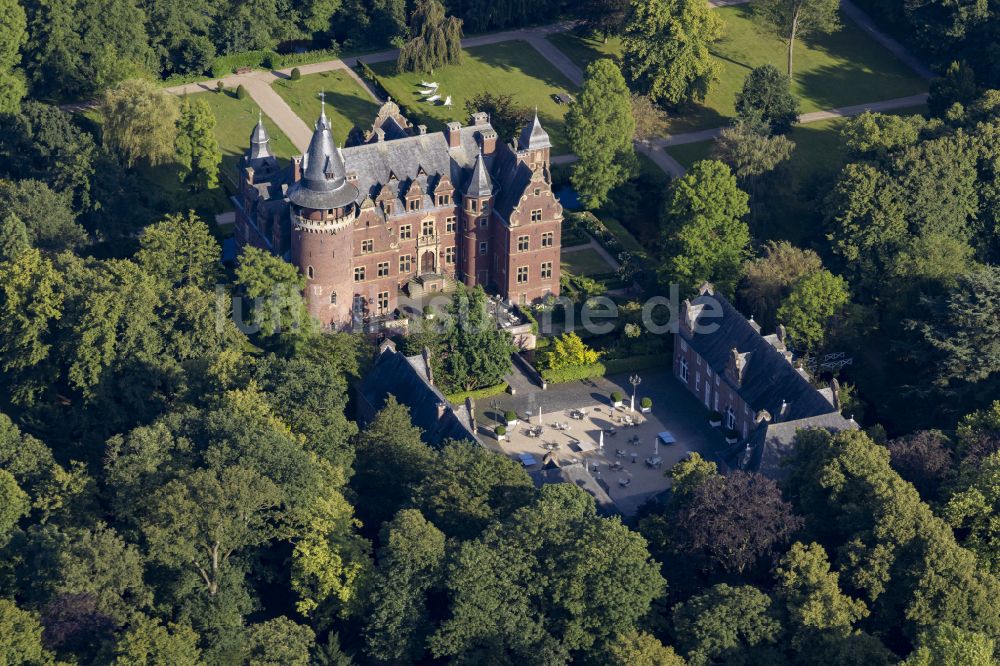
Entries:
{"x":488,"y":141}
{"x":754,"y":325}
{"x":441,"y":409}
{"x":734,"y":368}
{"x":784,"y":410}
{"x":453,"y":132}
{"x":763,"y":416}
{"x":297,"y":168}
{"x":427,"y":364}
{"x":780,"y":332}
{"x":835,"y":389}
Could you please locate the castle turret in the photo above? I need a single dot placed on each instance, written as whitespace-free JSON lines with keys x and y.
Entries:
{"x":534,"y":145}
{"x":260,"y":141}
{"x":477,"y":198}
{"x":323,"y":210}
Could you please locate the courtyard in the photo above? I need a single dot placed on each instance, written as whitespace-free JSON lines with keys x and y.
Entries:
{"x":569,"y":418}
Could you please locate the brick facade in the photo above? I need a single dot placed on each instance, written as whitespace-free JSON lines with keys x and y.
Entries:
{"x":404,"y":204}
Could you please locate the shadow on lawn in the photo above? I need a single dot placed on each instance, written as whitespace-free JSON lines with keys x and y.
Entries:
{"x":521,"y":57}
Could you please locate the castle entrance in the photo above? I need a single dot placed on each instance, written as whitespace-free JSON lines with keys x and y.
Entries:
{"x":427,"y":262}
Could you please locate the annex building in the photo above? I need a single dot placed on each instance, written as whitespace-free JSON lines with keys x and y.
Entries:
{"x":400,"y":210}
{"x":750,"y":380}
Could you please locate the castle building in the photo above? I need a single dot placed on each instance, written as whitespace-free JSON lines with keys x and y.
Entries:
{"x":399,"y":208}
{"x":749,"y":379}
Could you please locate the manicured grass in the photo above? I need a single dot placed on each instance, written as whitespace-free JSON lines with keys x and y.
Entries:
{"x":584,"y":262}
{"x":844,"y":68}
{"x":347,"y":103}
{"x":584,"y":50}
{"x":234,"y":121}
{"x":508,"y":67}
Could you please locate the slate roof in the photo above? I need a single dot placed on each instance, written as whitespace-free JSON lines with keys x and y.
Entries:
{"x":533,"y":136}
{"x":324,"y":180}
{"x":480,"y":184}
{"x":770,"y":443}
{"x":407,"y":379}
{"x":769,"y":379}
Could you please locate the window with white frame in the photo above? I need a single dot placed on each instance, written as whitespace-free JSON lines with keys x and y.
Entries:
{"x":450,"y":224}
{"x":405,"y":232}
{"x":730,"y":417}
{"x":548,"y":239}
{"x":383,"y":302}
{"x":359,"y":274}
{"x":367,"y":245}
{"x":383,"y":269}
{"x":522,"y":274}
{"x":536,"y":215}
{"x":546,"y":270}
{"x":684,"y":370}
{"x":482,"y":247}
{"x":449,"y":255}
{"x":523,"y":243}
{"x":405,"y":263}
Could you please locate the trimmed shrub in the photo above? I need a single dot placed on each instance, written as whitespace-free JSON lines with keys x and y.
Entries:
{"x":296,"y":74}
{"x":573,"y":373}
{"x":715,"y":416}
{"x":478,"y":394}
{"x":633,"y":363}
{"x":729,"y":433}
{"x":646,"y":403}
{"x":510,"y":415}
{"x":241,"y":92}
{"x":225,"y":65}
{"x":220,"y":86}
{"x":500,"y":430}
{"x":616,"y":396}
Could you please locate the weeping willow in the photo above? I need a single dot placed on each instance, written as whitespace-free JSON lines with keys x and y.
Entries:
{"x":437,"y":41}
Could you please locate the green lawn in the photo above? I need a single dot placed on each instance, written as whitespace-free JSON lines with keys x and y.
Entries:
{"x":584,"y":50}
{"x":508,"y":67}
{"x":234,"y":121}
{"x":844,"y":68}
{"x":584,"y":262}
{"x":347,"y":103}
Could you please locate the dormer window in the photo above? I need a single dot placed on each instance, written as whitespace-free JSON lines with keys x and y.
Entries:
{"x":387,"y":207}
{"x":414,"y":204}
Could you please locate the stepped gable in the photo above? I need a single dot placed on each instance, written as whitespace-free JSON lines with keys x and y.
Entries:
{"x":768,"y":378}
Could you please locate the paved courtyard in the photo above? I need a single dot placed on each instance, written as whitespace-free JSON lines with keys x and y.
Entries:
{"x":621,"y":466}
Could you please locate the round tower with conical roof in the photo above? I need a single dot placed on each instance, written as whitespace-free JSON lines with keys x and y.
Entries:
{"x":323,"y":209}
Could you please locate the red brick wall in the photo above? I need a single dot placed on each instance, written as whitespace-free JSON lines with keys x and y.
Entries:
{"x":720,"y":392}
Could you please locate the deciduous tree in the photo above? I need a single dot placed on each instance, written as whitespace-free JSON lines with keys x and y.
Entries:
{"x":147,"y":641}
{"x":723,"y":621}
{"x":411,"y":563}
{"x":180,"y":250}
{"x":705,"y":236}
{"x":666,"y":49}
{"x":197,"y":148}
{"x":600,"y":128}
{"x":811,"y":592}
{"x":813,"y":301}
{"x":767,"y":95}
{"x":768,"y":279}
{"x":800,"y":18}
{"x":437,"y":39}
{"x":140,"y":122}
{"x":12,"y":38}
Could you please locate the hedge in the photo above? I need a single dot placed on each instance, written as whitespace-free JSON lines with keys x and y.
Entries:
{"x":478,"y":394}
{"x":267,"y":59}
{"x":573,"y":374}
{"x":225,"y":65}
{"x":633,"y":363}
{"x":529,"y":316}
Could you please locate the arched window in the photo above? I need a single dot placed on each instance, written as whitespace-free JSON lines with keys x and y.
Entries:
{"x":333,"y":298}
{"x":309,"y":272}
